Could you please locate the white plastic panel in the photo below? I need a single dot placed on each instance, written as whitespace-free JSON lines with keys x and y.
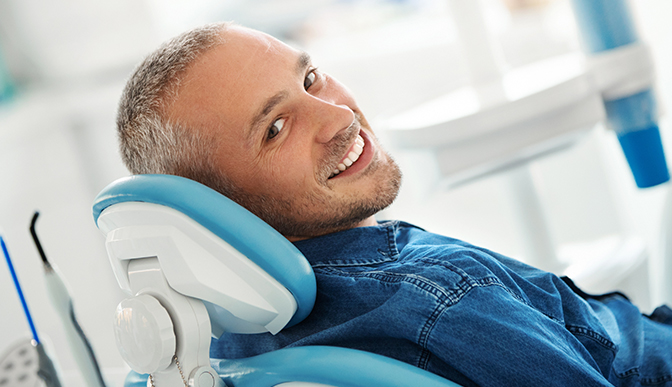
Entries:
{"x":198,"y":264}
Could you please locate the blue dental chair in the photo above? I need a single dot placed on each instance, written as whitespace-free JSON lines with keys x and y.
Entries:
{"x":196,"y":265}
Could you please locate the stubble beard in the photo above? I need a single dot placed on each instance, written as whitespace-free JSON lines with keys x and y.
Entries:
{"x":312,"y":214}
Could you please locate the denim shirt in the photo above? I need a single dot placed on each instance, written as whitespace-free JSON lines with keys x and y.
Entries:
{"x":467,"y":314}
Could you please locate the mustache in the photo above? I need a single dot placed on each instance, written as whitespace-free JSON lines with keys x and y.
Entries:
{"x":337,"y":147}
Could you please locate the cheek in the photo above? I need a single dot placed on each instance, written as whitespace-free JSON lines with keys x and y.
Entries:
{"x":293,"y":166}
{"x":280,"y":166}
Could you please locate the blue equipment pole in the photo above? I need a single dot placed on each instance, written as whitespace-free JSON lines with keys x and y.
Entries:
{"x":607,"y":25}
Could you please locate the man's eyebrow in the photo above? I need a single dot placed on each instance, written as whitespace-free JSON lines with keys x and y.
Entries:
{"x":301,"y":65}
{"x":303,"y":62}
{"x":270,"y":104}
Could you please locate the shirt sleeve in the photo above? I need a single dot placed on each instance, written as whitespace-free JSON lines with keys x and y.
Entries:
{"x":492,"y":338}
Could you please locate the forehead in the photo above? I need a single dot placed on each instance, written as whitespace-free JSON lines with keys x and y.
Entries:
{"x":228,"y":82}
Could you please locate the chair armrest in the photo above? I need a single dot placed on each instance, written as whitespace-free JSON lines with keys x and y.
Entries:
{"x":333,"y":366}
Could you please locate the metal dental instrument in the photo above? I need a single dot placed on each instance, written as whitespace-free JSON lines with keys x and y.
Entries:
{"x":46,"y":370}
{"x":62,"y":302}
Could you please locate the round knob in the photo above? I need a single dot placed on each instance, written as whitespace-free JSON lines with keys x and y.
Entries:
{"x":205,"y":377}
{"x":144,"y":334}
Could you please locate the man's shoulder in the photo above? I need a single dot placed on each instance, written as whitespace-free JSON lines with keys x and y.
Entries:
{"x":401,"y":247}
{"x":413,"y":239}
{"x":390,"y":239}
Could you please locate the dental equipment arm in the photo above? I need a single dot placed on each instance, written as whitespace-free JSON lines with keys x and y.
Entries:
{"x":46,"y":370}
{"x":62,"y":302}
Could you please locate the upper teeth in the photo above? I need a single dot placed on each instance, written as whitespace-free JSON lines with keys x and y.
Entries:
{"x":354,"y":154}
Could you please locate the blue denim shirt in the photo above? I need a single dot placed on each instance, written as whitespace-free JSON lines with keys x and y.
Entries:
{"x":467,"y":314}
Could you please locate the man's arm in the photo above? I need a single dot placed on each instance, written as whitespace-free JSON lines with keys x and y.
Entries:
{"x":504,"y":342}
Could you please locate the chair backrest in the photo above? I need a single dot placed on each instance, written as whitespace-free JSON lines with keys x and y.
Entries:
{"x":191,"y":257}
{"x":136,"y":207}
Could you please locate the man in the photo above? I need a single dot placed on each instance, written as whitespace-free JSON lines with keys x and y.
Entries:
{"x":252,"y":118}
{"x":269,"y":114}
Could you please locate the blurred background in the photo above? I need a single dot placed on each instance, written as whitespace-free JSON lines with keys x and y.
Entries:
{"x":63,"y":65}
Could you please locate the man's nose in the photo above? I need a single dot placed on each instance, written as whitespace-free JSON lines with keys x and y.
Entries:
{"x":329,"y":118}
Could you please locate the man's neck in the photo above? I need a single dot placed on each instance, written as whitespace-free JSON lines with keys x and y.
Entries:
{"x":370,"y":221}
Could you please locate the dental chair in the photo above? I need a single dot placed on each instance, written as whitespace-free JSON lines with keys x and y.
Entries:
{"x":196,"y":265}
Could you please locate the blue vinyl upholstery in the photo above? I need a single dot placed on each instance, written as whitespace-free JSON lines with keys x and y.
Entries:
{"x":341,"y":367}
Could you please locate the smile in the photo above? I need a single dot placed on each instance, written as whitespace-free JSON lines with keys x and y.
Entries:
{"x":351,"y":157}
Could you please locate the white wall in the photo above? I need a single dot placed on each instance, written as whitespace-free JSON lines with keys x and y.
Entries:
{"x":58,"y":149}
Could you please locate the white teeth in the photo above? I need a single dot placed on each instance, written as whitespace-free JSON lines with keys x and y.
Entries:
{"x":353,"y":156}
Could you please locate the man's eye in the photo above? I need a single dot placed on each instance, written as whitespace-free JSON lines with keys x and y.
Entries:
{"x":310,"y":78}
{"x":276,"y":127}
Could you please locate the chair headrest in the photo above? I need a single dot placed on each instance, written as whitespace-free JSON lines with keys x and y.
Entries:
{"x":234,"y":224}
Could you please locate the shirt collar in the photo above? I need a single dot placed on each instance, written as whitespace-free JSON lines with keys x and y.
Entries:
{"x":356,"y":246}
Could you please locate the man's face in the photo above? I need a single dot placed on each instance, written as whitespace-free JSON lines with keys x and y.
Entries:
{"x":288,"y":136}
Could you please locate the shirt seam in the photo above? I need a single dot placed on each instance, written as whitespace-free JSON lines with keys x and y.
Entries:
{"x":443,"y":297}
{"x":392,"y":240}
{"x":591,"y":334}
{"x":487,"y":280}
{"x":392,"y":253}
{"x":354,"y":262}
{"x":495,"y":281}
{"x":442,"y":307}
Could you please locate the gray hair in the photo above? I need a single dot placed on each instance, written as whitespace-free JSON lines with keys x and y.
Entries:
{"x":149,"y":142}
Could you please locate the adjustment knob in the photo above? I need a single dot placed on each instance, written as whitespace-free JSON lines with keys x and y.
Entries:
{"x":205,"y":377}
{"x":144,"y":334}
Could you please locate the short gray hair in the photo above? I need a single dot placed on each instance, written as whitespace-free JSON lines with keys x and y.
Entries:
{"x":148,"y":141}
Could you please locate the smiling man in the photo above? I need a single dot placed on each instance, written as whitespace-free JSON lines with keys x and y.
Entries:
{"x":247,"y":115}
{"x":262,"y":110}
